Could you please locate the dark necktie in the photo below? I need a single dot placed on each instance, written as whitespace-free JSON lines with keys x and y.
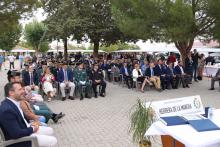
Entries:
{"x":31,"y":78}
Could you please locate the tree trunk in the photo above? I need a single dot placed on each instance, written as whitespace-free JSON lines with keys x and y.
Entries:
{"x":65,"y":49}
{"x":96,"y":49}
{"x":184,"y":48}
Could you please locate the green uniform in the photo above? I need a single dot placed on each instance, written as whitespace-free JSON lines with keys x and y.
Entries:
{"x":81,"y":77}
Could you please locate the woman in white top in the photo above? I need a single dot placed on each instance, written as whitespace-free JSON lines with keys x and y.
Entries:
{"x":47,"y":81}
{"x":138,"y":76}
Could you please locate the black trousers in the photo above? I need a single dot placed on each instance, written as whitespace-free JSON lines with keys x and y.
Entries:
{"x":185,"y":79}
{"x":102,"y":84}
{"x":12,"y":65}
{"x":128,"y":80}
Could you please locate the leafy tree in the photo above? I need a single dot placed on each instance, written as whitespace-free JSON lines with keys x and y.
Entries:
{"x":10,"y":38}
{"x":34,"y":34}
{"x":215,"y":5}
{"x":63,"y":21}
{"x":82,"y":20}
{"x":75,"y":47}
{"x":177,"y":21}
{"x":44,"y":46}
{"x":117,"y":46}
{"x":24,"y":44}
{"x":100,"y":26}
{"x":13,"y":10}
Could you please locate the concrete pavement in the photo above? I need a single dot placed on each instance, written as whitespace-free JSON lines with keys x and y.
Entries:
{"x":104,"y":122}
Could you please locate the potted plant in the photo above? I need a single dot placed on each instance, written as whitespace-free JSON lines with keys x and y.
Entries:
{"x":141,"y":118}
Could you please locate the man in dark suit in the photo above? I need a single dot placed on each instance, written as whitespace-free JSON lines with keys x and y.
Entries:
{"x":126,"y":72}
{"x":97,"y":79}
{"x":160,"y":71}
{"x":171,"y":77}
{"x":195,"y":58}
{"x":180,"y":73}
{"x":188,"y":68}
{"x":215,"y":78}
{"x":13,"y":121}
{"x":65,"y":78}
{"x":30,"y":78}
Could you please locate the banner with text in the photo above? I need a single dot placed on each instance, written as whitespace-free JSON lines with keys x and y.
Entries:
{"x":179,"y":106}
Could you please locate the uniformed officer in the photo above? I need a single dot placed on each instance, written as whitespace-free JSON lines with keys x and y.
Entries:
{"x":97,"y":79}
{"x":81,"y":79}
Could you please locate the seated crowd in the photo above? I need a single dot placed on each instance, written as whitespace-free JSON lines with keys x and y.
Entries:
{"x":23,"y":112}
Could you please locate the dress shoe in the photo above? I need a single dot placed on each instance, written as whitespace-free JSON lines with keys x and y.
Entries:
{"x":212,"y":89}
{"x":81,"y":97}
{"x":87,"y":96}
{"x":187,"y":86}
{"x":60,"y":115}
{"x":96,"y":96}
{"x":160,"y":90}
{"x":57,"y":117}
{"x":63,"y":98}
{"x":102,"y":95}
{"x":71,"y":97}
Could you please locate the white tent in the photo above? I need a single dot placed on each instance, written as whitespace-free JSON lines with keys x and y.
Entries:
{"x":2,"y":51}
{"x":74,"y":51}
{"x":21,"y":51}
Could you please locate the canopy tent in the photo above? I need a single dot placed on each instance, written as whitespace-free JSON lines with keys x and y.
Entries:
{"x":22,"y":51}
{"x":74,"y":51}
{"x":2,"y":51}
{"x":169,"y":49}
{"x":215,"y":54}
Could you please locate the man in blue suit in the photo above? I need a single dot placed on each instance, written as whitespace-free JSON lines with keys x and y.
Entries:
{"x":172,"y":79}
{"x":65,"y":78}
{"x":180,"y":72}
{"x":160,"y":71}
{"x":126,"y":72}
{"x":13,"y":121}
{"x":30,"y":78}
{"x":150,"y":74}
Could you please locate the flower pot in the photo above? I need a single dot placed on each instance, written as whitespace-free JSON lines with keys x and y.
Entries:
{"x":145,"y":143}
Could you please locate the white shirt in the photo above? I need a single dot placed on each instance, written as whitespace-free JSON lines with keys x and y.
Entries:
{"x":126,"y":70}
{"x":65,"y":75}
{"x":181,"y":68}
{"x":11,"y":58}
{"x":19,"y":108}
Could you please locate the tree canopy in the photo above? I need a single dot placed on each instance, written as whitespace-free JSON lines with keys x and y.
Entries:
{"x":117,"y":46}
{"x":10,"y":38}
{"x":63,"y":21}
{"x":13,"y":10}
{"x":179,"y":21}
{"x":35,"y":35}
{"x":84,"y":20}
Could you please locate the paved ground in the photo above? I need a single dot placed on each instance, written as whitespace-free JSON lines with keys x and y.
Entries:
{"x":103,"y":122}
